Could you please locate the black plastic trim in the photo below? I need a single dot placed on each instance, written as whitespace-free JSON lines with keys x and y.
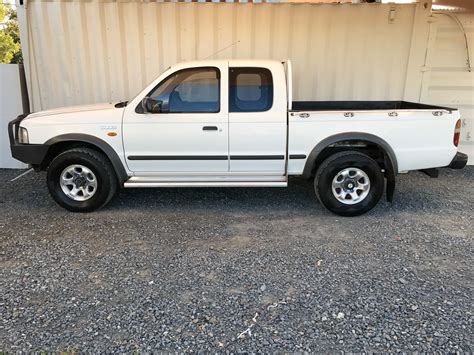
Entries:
{"x":363,"y":106}
{"x":205,"y":157}
{"x":32,"y":154}
{"x":356,"y":136}
{"x":178,"y":157}
{"x":13,"y":127}
{"x":297,"y":156}
{"x":459,"y":161}
{"x":432,"y":172}
{"x":99,"y":143}
{"x":257,"y":157}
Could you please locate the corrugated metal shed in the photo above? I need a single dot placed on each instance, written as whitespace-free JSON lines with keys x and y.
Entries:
{"x":81,"y":52}
{"x":447,"y":79}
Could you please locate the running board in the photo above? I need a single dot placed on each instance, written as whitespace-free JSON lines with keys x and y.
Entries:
{"x":132,"y":182}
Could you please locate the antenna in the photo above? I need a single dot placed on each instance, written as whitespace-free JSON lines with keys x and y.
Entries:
{"x":223,"y":49}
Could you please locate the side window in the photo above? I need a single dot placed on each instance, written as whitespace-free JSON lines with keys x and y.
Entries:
{"x":250,"y":90}
{"x":194,"y":90}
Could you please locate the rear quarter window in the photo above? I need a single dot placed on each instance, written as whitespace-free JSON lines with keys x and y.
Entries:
{"x":250,"y":90}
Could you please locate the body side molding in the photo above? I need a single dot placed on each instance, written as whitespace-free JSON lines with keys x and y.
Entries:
{"x":206,"y":157}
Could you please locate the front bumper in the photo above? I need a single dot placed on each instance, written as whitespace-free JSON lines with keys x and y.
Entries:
{"x":32,"y":154}
{"x":459,"y":161}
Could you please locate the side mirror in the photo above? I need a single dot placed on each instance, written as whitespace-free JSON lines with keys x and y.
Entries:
{"x":150,"y":105}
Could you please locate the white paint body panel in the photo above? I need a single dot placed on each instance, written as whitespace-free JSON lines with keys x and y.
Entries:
{"x":94,"y":120}
{"x":260,"y":133}
{"x":71,"y":109}
{"x":418,"y":138}
{"x":178,"y":134}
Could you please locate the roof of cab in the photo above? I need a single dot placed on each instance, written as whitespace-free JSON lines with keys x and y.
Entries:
{"x":231,"y":63}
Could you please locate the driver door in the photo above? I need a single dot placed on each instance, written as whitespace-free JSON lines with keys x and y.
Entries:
{"x":190,"y":133}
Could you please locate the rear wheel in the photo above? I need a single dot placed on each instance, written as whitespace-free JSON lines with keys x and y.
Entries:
{"x":349,"y":183}
{"x":81,"y":180}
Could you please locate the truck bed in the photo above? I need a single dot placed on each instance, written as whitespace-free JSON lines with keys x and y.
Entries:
{"x":362,"y":106}
{"x":421,"y":136}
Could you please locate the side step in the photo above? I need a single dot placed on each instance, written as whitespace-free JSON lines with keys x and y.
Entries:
{"x":223,"y":182}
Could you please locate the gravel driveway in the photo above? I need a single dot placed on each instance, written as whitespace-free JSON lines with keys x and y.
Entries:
{"x":238,"y":270}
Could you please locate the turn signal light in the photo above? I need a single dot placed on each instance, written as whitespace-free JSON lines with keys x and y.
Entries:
{"x":457,"y":133}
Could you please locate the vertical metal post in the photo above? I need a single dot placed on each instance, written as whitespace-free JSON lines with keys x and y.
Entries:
{"x":25,"y":100}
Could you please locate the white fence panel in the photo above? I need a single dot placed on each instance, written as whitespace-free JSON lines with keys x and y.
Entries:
{"x":10,"y":107}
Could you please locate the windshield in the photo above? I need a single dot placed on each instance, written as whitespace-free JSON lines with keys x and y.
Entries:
{"x":141,"y":90}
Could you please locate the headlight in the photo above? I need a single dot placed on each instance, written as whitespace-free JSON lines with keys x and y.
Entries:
{"x":23,"y":136}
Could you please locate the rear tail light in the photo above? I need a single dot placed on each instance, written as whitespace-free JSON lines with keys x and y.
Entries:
{"x":457,"y":133}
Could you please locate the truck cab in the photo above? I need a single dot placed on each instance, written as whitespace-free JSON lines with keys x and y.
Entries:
{"x":212,"y":117}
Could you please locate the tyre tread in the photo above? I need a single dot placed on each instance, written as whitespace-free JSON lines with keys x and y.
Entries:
{"x":104,"y":163}
{"x":326,"y":163}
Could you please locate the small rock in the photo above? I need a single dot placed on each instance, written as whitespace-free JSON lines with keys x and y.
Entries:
{"x":263,"y":288}
{"x":340,"y":315}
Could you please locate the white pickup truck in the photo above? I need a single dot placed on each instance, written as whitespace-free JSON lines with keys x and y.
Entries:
{"x":233,"y":123}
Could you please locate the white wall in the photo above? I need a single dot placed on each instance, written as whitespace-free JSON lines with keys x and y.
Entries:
{"x":10,"y":107}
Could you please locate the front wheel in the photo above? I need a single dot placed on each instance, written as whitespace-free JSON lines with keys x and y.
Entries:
{"x":349,"y":183}
{"x":81,"y":180}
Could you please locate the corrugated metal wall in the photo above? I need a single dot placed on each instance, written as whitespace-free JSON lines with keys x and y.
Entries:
{"x":446,"y":80}
{"x":82,"y":52}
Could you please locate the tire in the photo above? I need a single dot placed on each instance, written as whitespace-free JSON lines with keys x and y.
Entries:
{"x":81,"y":180}
{"x":341,"y":183}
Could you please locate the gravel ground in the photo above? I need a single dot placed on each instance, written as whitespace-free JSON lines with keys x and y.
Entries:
{"x":238,"y":270}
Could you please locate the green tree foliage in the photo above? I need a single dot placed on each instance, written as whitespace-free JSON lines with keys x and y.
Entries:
{"x":10,"y":48}
{"x":3,"y":12}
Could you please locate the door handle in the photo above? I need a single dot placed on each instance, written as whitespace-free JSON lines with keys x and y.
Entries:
{"x":209,"y":128}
